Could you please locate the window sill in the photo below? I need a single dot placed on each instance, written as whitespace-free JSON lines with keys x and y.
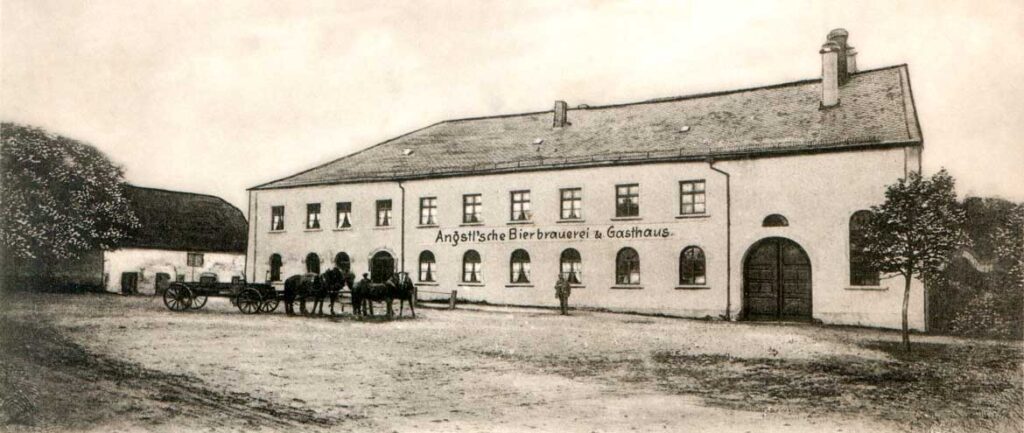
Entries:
{"x":470,"y":284}
{"x":573,"y":221}
{"x":627,"y":287}
{"x":513,"y":223}
{"x":519,"y":285}
{"x":384,"y":228}
{"x":342,"y":229}
{"x":274,"y":232}
{"x":868,"y":288}
{"x":313,"y":230}
{"x":427,"y":226}
{"x":627,"y":218}
{"x":692,"y":216}
{"x":688,"y":287}
{"x":428,"y":283}
{"x":574,"y":286}
{"x":476,"y":224}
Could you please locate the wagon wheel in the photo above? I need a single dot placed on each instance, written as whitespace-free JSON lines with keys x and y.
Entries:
{"x":249,"y":301}
{"x":269,"y":304}
{"x":178,"y":297}
{"x":198,"y":301}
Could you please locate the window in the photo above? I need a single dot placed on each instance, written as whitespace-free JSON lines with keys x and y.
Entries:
{"x":344,"y":212}
{"x":428,"y":266}
{"x":571,"y":266}
{"x":472,"y":207}
{"x":383,"y":213}
{"x":862,"y":273}
{"x":520,"y":267}
{"x":312,"y":263}
{"x":692,"y":267}
{"x":277,"y":218}
{"x":471,"y":267}
{"x":691,"y":197}
{"x":627,"y":267}
{"x":775,"y":220}
{"x":194,"y":260}
{"x":627,"y":200}
{"x":572,"y":203}
{"x":312,"y":216}
{"x":179,"y":278}
{"x":275,"y":267}
{"x":428,"y":211}
{"x":520,"y":206}
{"x":342,"y":261}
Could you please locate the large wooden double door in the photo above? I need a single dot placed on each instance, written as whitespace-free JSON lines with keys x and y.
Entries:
{"x":777,"y":281}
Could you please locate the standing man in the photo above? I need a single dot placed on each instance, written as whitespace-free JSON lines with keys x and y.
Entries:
{"x":562,"y":292}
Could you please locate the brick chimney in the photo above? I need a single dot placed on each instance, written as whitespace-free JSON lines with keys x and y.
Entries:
{"x":830,"y":55}
{"x":561,"y":114}
{"x":839,"y":36}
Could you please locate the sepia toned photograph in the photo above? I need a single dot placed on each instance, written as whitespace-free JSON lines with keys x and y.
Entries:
{"x":481,"y":216}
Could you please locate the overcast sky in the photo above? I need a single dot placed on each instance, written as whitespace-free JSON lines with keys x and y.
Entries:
{"x":218,"y":96}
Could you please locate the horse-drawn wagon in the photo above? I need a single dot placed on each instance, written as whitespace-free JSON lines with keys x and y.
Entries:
{"x":250,"y":298}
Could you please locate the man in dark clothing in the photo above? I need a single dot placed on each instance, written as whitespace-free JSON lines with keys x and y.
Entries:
{"x":562,"y":292}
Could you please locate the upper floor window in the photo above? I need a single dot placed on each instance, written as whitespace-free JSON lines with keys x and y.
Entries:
{"x":313,"y":216}
{"x":520,"y":206}
{"x":862,"y":272}
{"x":472,"y":208}
{"x":627,"y":267}
{"x":692,"y":267}
{"x":428,"y":211}
{"x":627,"y":200}
{"x":471,"y":269}
{"x":572,"y":203}
{"x":428,"y":266}
{"x":691,"y":197}
{"x":275,"y":267}
{"x":194,"y":260}
{"x":277,"y":218}
{"x":383,"y":213}
{"x":571,"y":266}
{"x":344,"y":212}
{"x":520,"y":267}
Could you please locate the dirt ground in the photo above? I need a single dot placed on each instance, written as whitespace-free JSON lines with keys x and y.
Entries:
{"x":104,"y":363}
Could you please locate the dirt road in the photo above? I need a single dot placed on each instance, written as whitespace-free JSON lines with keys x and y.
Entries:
{"x":109,"y":363}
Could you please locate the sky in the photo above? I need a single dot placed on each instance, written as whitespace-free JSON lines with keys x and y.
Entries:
{"x":218,"y":96}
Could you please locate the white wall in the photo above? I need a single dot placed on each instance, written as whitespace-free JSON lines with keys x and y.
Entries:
{"x":148,"y":262}
{"x":816,"y":192}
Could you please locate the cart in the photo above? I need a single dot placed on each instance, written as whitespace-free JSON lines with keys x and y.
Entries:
{"x":250,"y":298}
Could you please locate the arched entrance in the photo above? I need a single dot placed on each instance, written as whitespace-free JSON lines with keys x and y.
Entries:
{"x":382,"y":266}
{"x":776,"y":281}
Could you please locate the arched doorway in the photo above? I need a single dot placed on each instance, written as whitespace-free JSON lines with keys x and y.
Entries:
{"x":382,"y":266}
{"x":776,"y":281}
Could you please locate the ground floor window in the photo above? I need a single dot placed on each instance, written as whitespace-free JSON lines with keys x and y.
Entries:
{"x":428,"y":266}
{"x":692,"y":266}
{"x":520,"y":267}
{"x":275,"y":267}
{"x":343,"y":262}
{"x":627,"y":267}
{"x":571,"y":266}
{"x":313,"y":263}
{"x":471,"y":269}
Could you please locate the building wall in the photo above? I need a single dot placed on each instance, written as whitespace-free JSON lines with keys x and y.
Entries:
{"x":817,"y":193}
{"x":148,"y":262}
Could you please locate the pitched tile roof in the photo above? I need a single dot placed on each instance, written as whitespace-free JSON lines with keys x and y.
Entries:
{"x":876,"y":109}
{"x":185,"y":221}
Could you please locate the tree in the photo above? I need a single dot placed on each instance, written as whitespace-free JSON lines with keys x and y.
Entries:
{"x":915,"y":230}
{"x":58,"y":197}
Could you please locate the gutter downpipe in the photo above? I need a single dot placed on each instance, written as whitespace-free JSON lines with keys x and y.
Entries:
{"x":728,"y":239}
{"x":403,"y":225}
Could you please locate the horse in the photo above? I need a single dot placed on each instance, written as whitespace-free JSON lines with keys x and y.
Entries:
{"x":299,"y":288}
{"x":333,"y":281}
{"x":401,"y":287}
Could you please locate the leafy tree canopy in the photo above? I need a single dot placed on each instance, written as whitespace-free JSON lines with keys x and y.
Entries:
{"x":58,"y":197}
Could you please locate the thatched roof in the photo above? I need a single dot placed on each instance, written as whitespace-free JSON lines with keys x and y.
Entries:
{"x":185,"y":221}
{"x":876,"y":109}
